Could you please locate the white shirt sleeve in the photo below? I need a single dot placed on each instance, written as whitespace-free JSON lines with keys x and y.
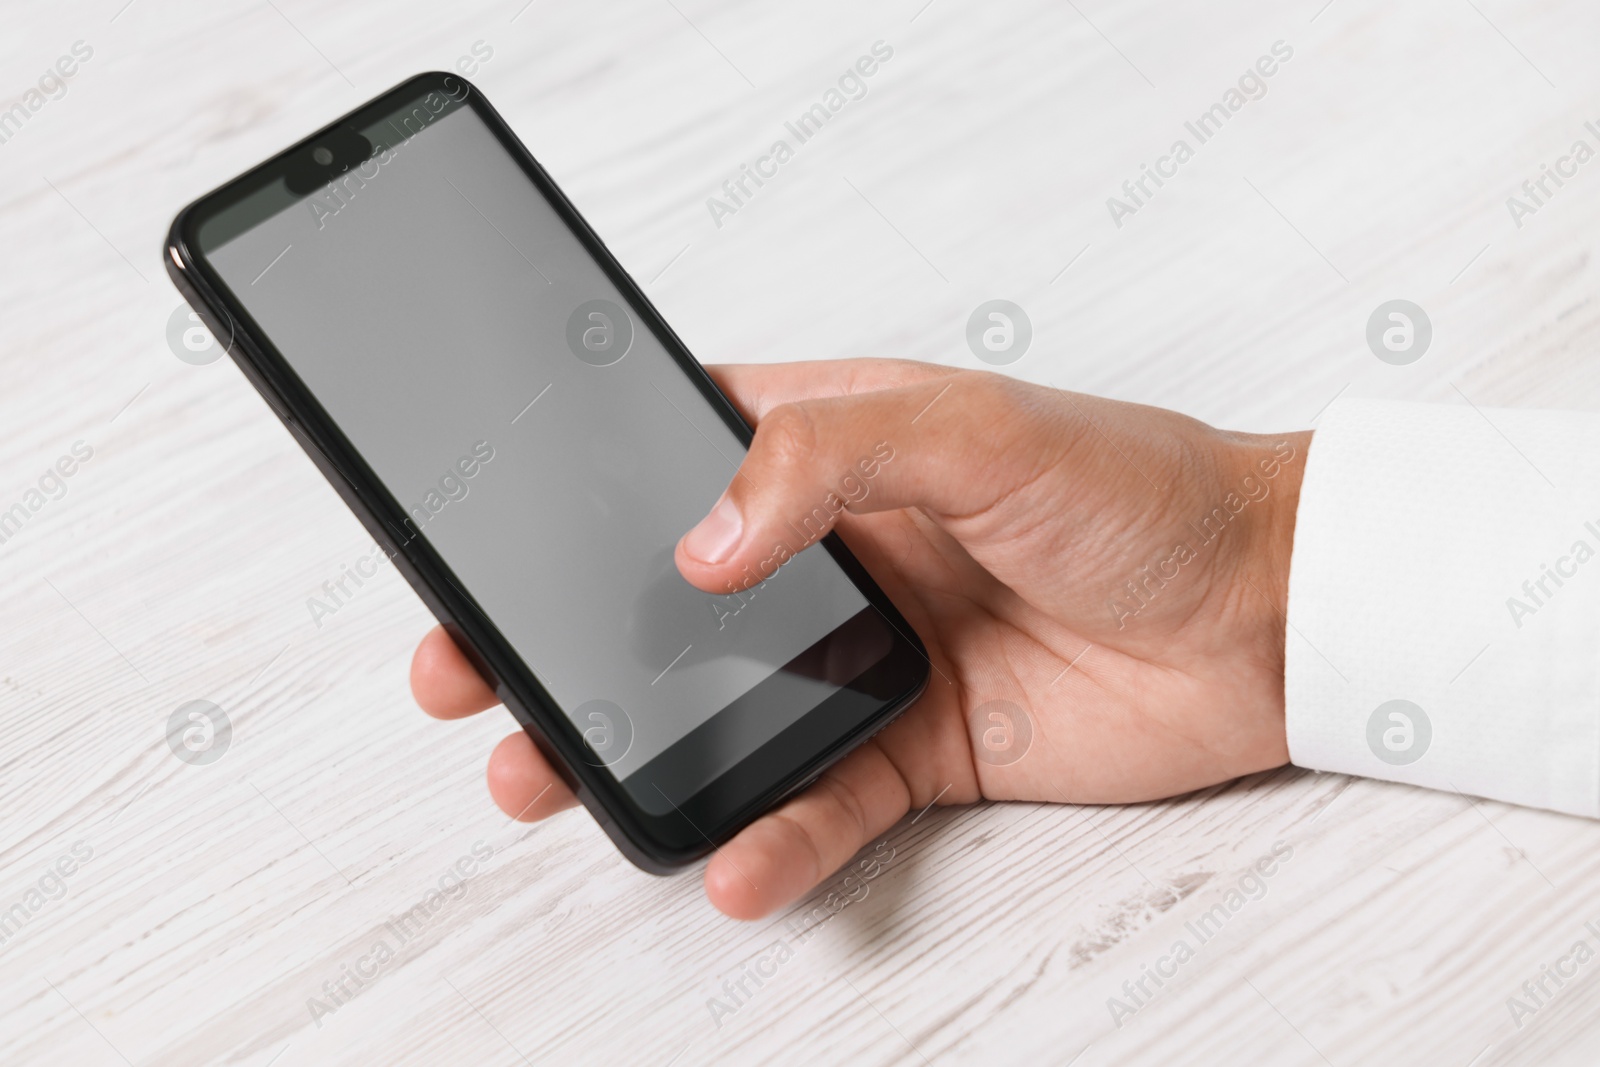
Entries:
{"x":1444,"y":601}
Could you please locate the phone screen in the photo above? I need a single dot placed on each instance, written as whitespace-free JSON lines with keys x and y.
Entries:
{"x":541,"y":438}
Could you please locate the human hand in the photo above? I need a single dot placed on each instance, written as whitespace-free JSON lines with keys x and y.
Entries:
{"x":1117,"y":573}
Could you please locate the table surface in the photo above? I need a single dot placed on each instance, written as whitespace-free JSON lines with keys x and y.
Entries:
{"x":208,"y":908}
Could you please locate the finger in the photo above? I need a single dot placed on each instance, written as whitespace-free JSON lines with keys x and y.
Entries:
{"x":756,"y":388}
{"x":444,"y":683}
{"x":522,"y":782}
{"x":784,"y":855}
{"x":953,"y":445}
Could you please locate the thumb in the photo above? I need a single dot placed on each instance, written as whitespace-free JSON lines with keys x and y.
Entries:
{"x":954,"y":446}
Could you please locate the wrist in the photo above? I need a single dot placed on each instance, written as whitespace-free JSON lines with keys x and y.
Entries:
{"x":1274,"y":540}
{"x":1269,"y":471}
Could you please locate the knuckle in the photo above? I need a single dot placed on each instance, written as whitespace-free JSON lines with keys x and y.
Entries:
{"x":846,"y":802}
{"x":802,"y":842}
{"x":788,"y":437}
{"x":994,"y":393}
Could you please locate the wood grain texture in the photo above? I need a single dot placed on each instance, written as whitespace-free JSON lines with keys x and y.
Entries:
{"x":216,"y":901}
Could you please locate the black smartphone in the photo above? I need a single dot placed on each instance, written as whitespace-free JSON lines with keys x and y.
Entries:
{"x":527,"y":439}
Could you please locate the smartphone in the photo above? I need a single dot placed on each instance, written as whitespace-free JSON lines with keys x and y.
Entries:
{"x":527,"y":439}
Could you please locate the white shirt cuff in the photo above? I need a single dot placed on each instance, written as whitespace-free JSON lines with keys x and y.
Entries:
{"x":1447,"y":557}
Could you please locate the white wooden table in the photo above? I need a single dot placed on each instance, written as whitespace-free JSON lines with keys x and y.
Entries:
{"x":208,"y":905}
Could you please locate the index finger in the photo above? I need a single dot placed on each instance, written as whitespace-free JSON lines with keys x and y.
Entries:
{"x":786,"y":853}
{"x":444,"y":682}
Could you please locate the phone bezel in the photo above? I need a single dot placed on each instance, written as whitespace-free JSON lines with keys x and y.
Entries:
{"x":643,"y":838}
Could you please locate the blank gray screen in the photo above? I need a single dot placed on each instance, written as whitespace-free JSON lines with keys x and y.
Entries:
{"x":425,"y":300}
